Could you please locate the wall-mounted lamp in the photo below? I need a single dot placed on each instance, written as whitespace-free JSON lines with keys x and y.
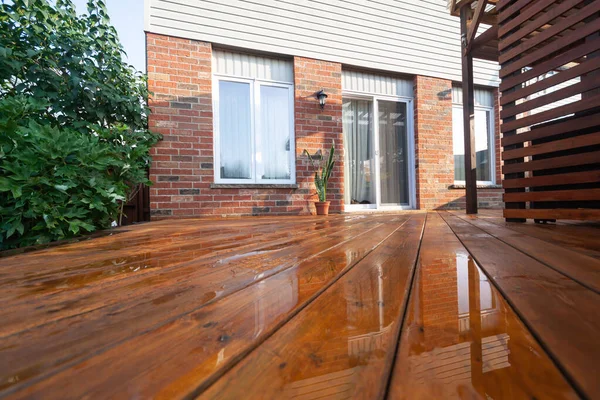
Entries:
{"x":322,"y":96}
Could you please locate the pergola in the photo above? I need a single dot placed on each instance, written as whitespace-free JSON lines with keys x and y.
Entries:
{"x":472,"y":13}
{"x":548,"y":54}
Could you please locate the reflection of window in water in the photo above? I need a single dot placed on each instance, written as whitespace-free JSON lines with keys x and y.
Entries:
{"x":487,"y":301}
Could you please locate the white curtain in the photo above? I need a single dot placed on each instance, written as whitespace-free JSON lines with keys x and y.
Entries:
{"x":234,"y":130}
{"x":273,"y":136}
{"x":393,"y":154}
{"x":357,"y":122}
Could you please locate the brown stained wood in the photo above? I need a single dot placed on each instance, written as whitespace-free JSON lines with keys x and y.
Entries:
{"x":199,"y":282}
{"x":346,"y":337}
{"x":552,"y":130}
{"x":546,"y":83}
{"x":563,"y":25}
{"x":592,"y":157}
{"x":506,"y":13}
{"x":461,"y":339}
{"x":558,"y":112}
{"x":177,"y":245}
{"x":558,"y":95}
{"x":561,"y":313}
{"x":554,"y":195}
{"x":580,"y":239}
{"x":546,"y":66}
{"x":468,"y":118}
{"x":524,"y":17}
{"x":555,"y":213}
{"x":188,"y":353}
{"x":591,"y":139}
{"x":581,"y":268}
{"x":149,"y":304}
{"x":142,"y":239}
{"x":550,"y":48}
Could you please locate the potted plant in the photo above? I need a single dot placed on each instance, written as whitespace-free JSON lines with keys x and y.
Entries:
{"x":325,"y":169}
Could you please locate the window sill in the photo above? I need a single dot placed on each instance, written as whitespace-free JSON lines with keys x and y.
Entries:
{"x":462,"y":186}
{"x":253,"y":186}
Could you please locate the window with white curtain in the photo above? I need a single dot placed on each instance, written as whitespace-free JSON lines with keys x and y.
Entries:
{"x":484,"y":145}
{"x":254,"y":122}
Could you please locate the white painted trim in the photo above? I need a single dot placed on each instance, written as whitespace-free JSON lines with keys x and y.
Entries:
{"x":491,"y":141}
{"x":374,"y":98}
{"x":254,"y":104}
{"x":147,"y":26}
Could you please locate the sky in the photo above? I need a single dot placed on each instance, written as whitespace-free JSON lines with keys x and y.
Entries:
{"x":127,"y":16}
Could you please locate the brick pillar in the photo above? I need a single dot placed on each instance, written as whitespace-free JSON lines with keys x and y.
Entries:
{"x":316,"y":127}
{"x":433,"y":136}
{"x":179,"y":75}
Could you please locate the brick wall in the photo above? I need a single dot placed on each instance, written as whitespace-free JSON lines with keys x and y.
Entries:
{"x":180,"y":77}
{"x":434,"y":151}
{"x":439,"y":294}
{"x":316,"y":128}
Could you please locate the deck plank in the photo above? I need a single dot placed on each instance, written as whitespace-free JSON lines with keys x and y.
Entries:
{"x":173,"y":357}
{"x":579,"y":267}
{"x":461,"y":339}
{"x":104,"y":293}
{"x":352,"y":327}
{"x":560,"y":312}
{"x":566,"y":235}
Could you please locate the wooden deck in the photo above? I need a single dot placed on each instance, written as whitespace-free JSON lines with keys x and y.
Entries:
{"x":404,"y":306}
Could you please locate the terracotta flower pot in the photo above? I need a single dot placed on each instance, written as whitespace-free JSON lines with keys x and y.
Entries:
{"x":322,"y":207}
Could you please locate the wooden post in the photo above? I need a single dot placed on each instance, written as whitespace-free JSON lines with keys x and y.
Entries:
{"x":468,"y":115}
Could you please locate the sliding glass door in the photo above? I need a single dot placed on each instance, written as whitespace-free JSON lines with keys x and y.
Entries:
{"x":378,"y":153}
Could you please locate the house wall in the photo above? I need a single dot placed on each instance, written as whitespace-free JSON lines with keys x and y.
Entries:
{"x":180,"y":77}
{"x":434,"y":151}
{"x":416,"y":37}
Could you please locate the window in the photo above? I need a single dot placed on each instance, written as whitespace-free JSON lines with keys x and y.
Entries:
{"x":484,"y":145}
{"x":254,"y":131}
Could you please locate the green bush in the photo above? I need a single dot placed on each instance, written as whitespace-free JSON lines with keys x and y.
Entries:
{"x":73,"y":122}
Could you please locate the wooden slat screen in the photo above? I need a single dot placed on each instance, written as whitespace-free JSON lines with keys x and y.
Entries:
{"x":550,"y":70}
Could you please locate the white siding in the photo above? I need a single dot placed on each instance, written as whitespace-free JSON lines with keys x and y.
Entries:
{"x":363,"y":82}
{"x":252,"y":66}
{"x":483,"y":97}
{"x":417,"y":37}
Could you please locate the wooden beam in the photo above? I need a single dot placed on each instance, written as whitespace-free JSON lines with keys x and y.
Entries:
{"x":472,"y":27}
{"x":468,"y":117}
{"x":490,"y":35}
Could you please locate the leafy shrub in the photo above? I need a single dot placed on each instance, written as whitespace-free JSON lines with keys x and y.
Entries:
{"x":73,"y":122}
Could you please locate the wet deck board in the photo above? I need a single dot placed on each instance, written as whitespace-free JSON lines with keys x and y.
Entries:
{"x":295,"y":307}
{"x":581,"y":238}
{"x":461,"y":338}
{"x":582,"y":268}
{"x":353,"y":325}
{"x":562,"y":313}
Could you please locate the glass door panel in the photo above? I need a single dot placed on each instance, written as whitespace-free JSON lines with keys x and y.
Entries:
{"x":393,"y":153}
{"x":359,"y":163}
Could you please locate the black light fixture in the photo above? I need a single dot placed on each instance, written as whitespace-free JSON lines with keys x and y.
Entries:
{"x":322,"y":96}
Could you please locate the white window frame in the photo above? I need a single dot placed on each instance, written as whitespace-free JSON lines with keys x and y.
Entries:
{"x":255,"y":85}
{"x":375,"y":98}
{"x":491,"y":141}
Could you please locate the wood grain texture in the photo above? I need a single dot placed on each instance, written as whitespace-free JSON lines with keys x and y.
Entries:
{"x":191,"y":352}
{"x":461,"y":339}
{"x":350,"y":331}
{"x":298,"y":307}
{"x":557,"y":309}
{"x":581,"y":268}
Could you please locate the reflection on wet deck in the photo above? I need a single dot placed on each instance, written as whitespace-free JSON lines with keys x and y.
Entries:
{"x":403,"y":306}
